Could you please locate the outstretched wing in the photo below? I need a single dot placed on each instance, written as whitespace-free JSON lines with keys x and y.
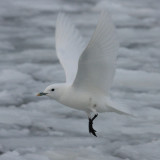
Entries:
{"x":69,"y":46}
{"x":97,"y":64}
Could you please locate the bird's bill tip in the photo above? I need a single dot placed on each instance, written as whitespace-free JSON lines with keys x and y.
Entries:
{"x":41,"y":94}
{"x":38,"y":94}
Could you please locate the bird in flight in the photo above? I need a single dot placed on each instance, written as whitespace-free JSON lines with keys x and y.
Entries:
{"x":89,"y":69}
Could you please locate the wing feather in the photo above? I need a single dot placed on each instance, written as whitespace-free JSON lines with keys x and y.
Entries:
{"x":69,"y":46}
{"x":97,"y":64}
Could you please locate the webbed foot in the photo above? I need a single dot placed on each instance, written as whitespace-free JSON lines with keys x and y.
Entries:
{"x":91,"y":129}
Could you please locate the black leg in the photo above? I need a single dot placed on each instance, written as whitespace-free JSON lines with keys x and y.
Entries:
{"x":91,"y":129}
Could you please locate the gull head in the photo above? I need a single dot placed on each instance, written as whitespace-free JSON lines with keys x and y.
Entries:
{"x":54,"y":91}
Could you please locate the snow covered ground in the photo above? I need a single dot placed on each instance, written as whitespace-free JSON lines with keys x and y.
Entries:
{"x":38,"y":128}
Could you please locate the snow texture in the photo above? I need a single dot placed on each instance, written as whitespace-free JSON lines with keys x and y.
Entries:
{"x":38,"y":128}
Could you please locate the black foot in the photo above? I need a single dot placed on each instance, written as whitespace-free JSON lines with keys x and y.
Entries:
{"x":91,"y":129}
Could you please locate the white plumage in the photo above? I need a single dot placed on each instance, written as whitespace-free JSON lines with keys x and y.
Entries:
{"x":89,"y":70}
{"x":69,"y":46}
{"x":97,"y":63}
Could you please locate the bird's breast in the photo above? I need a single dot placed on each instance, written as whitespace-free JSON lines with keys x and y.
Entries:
{"x":82,"y":100}
{"x":78,"y":100}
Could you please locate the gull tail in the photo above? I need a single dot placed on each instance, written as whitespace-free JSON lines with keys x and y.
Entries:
{"x":119,"y":108}
{"x":112,"y":109}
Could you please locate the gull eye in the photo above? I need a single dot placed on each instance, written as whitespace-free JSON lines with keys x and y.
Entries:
{"x":52,"y":89}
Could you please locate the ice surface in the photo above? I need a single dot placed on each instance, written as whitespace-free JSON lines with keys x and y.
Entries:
{"x":38,"y":128}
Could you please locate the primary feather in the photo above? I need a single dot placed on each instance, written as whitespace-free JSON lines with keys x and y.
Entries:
{"x":96,"y":66}
{"x":69,"y":46}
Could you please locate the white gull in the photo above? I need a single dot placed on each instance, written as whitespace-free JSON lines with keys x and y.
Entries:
{"x":89,"y":70}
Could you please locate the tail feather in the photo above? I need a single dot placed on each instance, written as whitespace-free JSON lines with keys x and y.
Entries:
{"x":112,"y":109}
{"x":119,"y":108}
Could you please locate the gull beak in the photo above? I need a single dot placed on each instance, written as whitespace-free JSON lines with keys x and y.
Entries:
{"x":41,"y":94}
